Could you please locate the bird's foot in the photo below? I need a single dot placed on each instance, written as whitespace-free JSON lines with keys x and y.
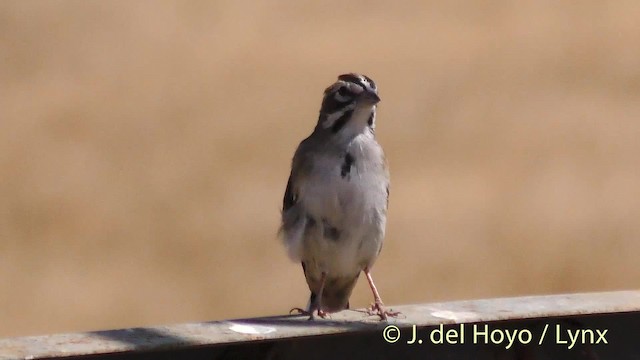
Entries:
{"x":321,"y":313}
{"x":311,"y":314}
{"x":300,"y":311}
{"x":379,"y":309}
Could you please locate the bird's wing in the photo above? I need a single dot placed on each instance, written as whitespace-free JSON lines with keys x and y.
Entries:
{"x":293,"y":214}
{"x":290,"y":196}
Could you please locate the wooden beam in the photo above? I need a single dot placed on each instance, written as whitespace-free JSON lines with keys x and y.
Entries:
{"x":212,"y":338}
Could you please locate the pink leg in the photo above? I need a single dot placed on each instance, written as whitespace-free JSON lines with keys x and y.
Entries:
{"x":378,"y":307}
{"x":316,"y":305}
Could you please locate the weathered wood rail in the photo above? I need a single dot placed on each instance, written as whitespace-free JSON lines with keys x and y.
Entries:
{"x":573,"y":326}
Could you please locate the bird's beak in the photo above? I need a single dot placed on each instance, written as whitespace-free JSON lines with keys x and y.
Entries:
{"x":370,"y":97}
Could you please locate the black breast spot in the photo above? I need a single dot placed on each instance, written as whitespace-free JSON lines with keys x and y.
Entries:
{"x":330,"y":232}
{"x":311,"y":222}
{"x":346,"y":165}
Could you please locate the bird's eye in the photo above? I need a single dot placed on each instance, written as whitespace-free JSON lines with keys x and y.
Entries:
{"x":343,"y":91}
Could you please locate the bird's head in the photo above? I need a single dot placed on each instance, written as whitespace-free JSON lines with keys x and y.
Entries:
{"x":353,"y":97}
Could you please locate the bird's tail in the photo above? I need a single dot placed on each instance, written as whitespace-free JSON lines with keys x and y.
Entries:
{"x":335,"y":295}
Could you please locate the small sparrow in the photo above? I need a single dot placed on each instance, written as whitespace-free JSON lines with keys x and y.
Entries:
{"x":334,"y":209}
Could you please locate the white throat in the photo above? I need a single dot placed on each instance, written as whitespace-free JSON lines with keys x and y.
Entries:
{"x":358,"y":124}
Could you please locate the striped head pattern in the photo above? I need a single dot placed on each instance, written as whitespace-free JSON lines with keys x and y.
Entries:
{"x":352,"y":93}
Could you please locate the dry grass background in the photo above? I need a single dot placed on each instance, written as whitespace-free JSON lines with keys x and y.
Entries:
{"x":145,"y":145}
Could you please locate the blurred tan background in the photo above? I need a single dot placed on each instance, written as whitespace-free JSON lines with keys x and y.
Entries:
{"x":145,"y":147}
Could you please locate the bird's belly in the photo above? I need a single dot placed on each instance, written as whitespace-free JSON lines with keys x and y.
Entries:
{"x":346,"y":221}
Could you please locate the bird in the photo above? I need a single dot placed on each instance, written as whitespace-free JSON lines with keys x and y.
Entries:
{"x":334,"y":208}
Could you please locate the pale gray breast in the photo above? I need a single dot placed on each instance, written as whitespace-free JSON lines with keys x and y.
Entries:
{"x":348,"y":186}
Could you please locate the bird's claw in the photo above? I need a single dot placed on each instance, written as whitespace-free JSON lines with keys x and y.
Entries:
{"x":299,"y":311}
{"x":379,"y":309}
{"x":310,"y":314}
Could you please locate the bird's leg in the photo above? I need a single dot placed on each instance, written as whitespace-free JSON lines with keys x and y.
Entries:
{"x":377,"y":307}
{"x":316,"y":304}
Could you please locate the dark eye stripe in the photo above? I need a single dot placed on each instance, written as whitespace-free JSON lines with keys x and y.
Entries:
{"x":343,"y":91}
{"x":331,"y":103}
